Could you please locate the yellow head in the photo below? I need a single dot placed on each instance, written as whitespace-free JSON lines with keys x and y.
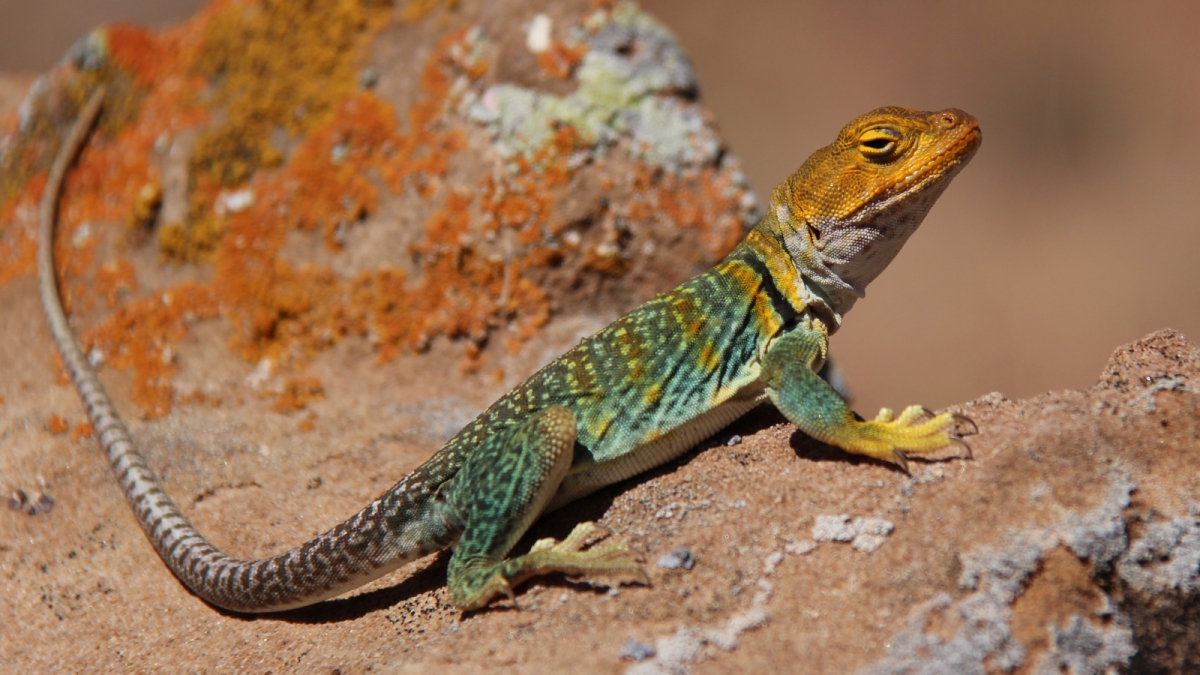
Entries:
{"x":848,"y":210}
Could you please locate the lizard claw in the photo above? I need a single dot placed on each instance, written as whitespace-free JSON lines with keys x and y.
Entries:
{"x":957,"y":437}
{"x":507,"y":590}
{"x":957,"y":440}
{"x":901,"y":460}
{"x":959,"y":418}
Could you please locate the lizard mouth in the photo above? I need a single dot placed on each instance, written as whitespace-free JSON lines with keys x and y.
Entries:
{"x":952,"y":154}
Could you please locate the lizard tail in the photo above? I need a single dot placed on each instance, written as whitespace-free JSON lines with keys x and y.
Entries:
{"x":402,"y":525}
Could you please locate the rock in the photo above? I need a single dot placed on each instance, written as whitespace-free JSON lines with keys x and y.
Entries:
{"x":680,"y":558}
{"x":459,"y":196}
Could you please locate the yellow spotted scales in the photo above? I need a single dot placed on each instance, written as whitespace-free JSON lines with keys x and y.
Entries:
{"x":635,"y":395}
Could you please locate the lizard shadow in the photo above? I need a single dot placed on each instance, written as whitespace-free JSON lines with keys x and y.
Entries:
{"x":398,"y":596}
{"x":807,"y":447}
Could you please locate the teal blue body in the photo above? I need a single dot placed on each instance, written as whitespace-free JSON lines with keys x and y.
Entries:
{"x":654,"y":369}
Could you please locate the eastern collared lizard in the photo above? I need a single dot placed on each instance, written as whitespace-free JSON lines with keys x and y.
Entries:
{"x":639,"y":393}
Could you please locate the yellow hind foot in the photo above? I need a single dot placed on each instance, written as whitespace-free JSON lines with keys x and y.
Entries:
{"x":612,"y":563}
{"x":478,"y":582}
{"x":893,"y":438}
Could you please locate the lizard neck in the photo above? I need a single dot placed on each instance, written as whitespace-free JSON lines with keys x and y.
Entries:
{"x":829,"y":279}
{"x":799,"y":271}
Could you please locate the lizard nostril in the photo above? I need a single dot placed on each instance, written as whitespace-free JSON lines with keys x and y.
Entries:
{"x":949,"y":120}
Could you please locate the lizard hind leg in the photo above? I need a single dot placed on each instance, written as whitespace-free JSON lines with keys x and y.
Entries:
{"x":500,"y":491}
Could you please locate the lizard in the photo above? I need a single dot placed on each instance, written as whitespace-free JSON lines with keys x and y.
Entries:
{"x":639,"y":393}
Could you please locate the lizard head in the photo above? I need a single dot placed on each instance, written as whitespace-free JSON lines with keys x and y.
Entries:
{"x":847,"y":211}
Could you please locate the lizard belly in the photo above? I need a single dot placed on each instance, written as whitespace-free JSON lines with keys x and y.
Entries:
{"x":660,"y":450}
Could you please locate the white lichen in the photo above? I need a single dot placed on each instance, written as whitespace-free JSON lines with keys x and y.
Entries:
{"x":984,"y":643}
{"x":634,"y":83}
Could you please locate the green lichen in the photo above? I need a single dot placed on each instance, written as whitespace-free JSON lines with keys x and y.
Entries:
{"x":634,"y":83}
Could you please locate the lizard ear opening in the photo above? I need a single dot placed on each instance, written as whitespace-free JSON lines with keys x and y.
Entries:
{"x":815,"y":235}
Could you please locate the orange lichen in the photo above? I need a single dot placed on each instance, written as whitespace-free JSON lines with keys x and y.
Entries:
{"x":297,"y":393}
{"x":82,"y":430}
{"x":380,"y":300}
{"x":704,"y":201}
{"x":148,"y":57}
{"x":722,"y":228}
{"x":23,"y":171}
{"x":196,"y":396}
{"x":420,"y":157}
{"x":142,"y":336}
{"x":327,"y":175}
{"x":57,"y":425}
{"x":460,"y":290}
{"x":560,"y":60}
{"x":100,"y":190}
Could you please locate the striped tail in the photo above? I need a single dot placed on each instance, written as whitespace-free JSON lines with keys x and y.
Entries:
{"x":407,"y":522}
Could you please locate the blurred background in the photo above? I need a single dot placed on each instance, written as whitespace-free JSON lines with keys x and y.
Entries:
{"x":1075,"y":229}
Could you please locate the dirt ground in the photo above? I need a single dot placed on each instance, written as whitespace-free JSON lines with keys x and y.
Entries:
{"x":1068,"y":542}
{"x":84,"y":591}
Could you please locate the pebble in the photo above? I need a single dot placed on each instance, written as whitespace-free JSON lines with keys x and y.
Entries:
{"x":679,"y":558}
{"x":633,"y":650}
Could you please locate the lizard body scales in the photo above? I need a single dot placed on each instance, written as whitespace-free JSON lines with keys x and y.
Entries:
{"x":640,"y":392}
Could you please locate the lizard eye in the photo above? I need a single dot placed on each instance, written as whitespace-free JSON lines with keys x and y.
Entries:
{"x":879,"y":144}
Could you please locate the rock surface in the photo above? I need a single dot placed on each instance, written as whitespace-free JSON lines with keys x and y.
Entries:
{"x":276,"y":389}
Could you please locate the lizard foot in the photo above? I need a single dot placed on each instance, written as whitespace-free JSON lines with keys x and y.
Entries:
{"x":610,"y":564}
{"x":890,"y":437}
{"x":812,"y":405}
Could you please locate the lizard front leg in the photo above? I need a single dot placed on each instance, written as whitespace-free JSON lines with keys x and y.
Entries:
{"x":811,"y":404}
{"x":500,"y":491}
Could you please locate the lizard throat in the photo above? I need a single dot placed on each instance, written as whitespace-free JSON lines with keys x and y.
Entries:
{"x":856,"y":250}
